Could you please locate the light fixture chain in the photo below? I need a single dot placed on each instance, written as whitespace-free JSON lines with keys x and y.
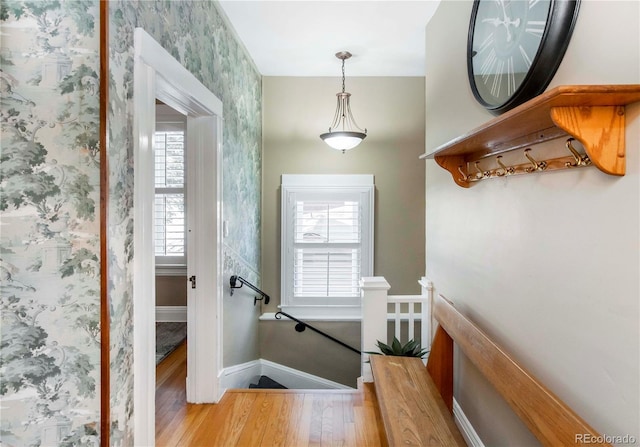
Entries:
{"x":342,"y":75}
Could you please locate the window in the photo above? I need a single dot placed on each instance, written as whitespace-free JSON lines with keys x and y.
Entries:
{"x":327,"y":243}
{"x":170,"y":206}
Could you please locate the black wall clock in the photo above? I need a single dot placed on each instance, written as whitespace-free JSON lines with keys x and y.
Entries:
{"x":515,"y":47}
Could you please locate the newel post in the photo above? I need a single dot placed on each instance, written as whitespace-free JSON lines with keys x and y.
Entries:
{"x":374,"y":318}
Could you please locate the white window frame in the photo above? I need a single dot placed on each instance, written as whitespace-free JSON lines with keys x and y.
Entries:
{"x":168,"y":119}
{"x":292,"y":185}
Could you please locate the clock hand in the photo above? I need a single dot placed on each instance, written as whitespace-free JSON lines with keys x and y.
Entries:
{"x":493,"y":21}
{"x":515,"y":23}
{"x":504,"y":10}
{"x":507,"y":20}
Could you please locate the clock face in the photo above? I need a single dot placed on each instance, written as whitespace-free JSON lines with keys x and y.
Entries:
{"x":515,"y":47}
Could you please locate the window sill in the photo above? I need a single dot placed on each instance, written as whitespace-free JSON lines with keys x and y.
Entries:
{"x":318,"y":313}
{"x":171,"y":270}
{"x":271,"y":316}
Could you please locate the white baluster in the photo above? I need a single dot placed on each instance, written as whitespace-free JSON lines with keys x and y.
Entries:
{"x":411,"y":320}
{"x":398,"y":321}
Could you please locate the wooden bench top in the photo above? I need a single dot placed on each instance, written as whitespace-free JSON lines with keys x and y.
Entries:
{"x":413,"y":412}
{"x":416,"y":401}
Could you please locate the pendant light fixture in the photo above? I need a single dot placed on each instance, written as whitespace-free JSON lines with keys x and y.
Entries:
{"x":344,"y":133}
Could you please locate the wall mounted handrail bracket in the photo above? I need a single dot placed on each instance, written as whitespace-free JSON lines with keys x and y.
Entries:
{"x":234,"y":280}
{"x":301,"y":326}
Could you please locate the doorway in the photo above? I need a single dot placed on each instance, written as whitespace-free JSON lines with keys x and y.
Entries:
{"x":170,"y":231}
{"x":158,"y":76}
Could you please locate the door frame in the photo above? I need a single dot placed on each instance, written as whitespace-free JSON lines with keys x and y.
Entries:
{"x":158,"y":75}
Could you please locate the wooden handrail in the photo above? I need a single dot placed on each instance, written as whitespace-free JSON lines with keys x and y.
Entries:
{"x":544,"y":413}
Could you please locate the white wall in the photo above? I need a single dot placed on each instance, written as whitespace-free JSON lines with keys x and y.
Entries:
{"x":547,"y":264}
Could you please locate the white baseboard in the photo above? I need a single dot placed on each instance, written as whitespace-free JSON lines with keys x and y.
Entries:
{"x":171,"y":313}
{"x":466,"y":429}
{"x":295,"y":379}
{"x":240,"y":376}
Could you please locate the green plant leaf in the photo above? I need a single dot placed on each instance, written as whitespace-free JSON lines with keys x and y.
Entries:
{"x":410,"y":349}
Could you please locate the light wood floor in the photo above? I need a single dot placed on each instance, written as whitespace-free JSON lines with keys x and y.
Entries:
{"x":252,"y":418}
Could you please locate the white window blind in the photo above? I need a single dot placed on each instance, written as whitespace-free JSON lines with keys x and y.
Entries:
{"x":170,"y":212}
{"x":327,"y":248}
{"x":327,"y":242}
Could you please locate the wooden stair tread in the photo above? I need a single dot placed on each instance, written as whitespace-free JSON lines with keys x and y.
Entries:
{"x":412,"y":410}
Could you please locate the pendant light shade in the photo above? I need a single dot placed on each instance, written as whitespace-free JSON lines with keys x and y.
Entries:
{"x":344,"y":133}
{"x":343,"y":141}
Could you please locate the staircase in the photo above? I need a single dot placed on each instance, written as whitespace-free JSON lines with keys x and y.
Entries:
{"x":267,"y":383}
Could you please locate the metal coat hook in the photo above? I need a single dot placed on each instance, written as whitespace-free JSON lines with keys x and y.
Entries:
{"x":535,"y":166}
{"x":481,"y":174}
{"x":506,"y":170}
{"x":465,"y":177}
{"x":580,"y":160}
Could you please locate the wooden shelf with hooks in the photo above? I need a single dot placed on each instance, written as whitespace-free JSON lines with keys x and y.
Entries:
{"x":592,"y":114}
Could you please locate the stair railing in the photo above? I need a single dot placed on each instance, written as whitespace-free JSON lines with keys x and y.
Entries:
{"x":376,"y":315}
{"x":301,"y":326}
{"x":237,"y":279}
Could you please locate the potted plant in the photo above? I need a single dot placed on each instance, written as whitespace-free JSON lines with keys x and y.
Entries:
{"x":411,"y":348}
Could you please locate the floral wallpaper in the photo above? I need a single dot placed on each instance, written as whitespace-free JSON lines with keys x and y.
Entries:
{"x":196,"y":35}
{"x":49,"y":227}
{"x":49,"y":198}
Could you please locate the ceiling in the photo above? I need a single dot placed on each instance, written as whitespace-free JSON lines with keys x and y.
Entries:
{"x":301,"y":37}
